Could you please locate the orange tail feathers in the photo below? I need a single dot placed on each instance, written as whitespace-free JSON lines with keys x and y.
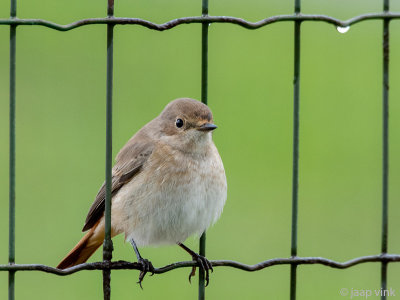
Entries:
{"x":90,"y":242}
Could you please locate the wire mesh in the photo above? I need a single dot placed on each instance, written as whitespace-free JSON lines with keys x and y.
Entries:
{"x":107,"y":265}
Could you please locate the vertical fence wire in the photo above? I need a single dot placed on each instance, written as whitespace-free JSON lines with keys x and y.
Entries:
{"x":204,"y":98}
{"x":385,"y":146}
{"x":107,"y":246}
{"x":295,"y":175}
{"x":11,"y":228}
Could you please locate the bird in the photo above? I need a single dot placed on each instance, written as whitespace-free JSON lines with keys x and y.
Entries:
{"x":168,"y":183}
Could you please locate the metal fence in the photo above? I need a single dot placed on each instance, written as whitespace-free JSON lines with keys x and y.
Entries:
{"x":107,"y":265}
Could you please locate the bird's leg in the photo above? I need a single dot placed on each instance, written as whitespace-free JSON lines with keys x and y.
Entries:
{"x":203,"y":262}
{"x":147,"y":266}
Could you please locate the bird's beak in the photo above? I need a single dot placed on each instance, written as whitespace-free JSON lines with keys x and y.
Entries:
{"x":207,"y":127}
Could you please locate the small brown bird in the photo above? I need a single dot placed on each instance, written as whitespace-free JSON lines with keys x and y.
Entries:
{"x":168,"y":183}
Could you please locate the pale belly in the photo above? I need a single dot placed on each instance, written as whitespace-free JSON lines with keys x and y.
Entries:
{"x":172,"y":203}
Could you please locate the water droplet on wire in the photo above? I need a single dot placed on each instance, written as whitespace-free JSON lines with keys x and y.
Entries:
{"x":343,"y":29}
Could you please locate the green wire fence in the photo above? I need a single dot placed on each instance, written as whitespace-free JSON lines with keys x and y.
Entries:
{"x":107,"y":265}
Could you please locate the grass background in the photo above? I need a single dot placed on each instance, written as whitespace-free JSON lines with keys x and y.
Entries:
{"x":61,"y":142}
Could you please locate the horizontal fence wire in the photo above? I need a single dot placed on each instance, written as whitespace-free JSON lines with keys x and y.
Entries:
{"x":203,"y":19}
{"x":124,"y":265}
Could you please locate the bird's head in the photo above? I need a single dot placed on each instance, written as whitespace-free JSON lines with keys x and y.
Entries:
{"x":187,"y":124}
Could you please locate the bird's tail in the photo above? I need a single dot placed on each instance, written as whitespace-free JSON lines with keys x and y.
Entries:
{"x":90,"y":242}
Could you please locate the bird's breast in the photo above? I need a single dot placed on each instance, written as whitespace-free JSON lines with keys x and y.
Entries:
{"x":175,"y":195}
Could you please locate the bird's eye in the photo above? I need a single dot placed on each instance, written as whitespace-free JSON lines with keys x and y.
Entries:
{"x":179,"y":123}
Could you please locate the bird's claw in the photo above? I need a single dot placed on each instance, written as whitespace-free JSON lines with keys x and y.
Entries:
{"x":204,"y":264}
{"x":147,"y":266}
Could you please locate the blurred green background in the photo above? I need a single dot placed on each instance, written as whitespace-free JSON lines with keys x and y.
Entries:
{"x":61,"y":142}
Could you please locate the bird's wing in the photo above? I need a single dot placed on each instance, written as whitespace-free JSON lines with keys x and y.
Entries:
{"x":129,"y":163}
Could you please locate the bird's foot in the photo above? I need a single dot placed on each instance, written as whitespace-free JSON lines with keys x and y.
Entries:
{"x":147,"y":266}
{"x":203,"y":263}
